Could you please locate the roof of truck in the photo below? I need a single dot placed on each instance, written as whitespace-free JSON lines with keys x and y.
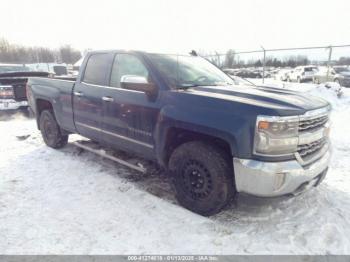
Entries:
{"x":138,"y":51}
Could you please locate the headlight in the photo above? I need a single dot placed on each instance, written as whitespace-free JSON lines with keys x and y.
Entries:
{"x":276,"y":135}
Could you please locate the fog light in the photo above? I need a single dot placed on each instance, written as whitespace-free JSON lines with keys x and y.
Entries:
{"x":280,"y":178}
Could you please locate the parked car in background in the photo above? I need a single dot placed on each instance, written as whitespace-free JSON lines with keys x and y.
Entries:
{"x":282,"y":74}
{"x":249,"y":73}
{"x":302,"y":74}
{"x":215,"y":138}
{"x":229,"y":71}
{"x":13,"y":79}
{"x":338,"y":74}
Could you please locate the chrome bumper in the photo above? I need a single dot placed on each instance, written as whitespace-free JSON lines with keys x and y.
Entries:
{"x":269,"y":179}
{"x":11,"y":104}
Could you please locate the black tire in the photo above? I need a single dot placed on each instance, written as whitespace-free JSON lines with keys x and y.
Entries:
{"x":202,"y":177}
{"x":50,"y":130}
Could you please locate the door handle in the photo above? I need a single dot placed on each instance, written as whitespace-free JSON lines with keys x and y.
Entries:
{"x":78,"y":94}
{"x":107,"y":99}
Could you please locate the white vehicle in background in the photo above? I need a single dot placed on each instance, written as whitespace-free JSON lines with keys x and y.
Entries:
{"x":52,"y":68}
{"x":302,"y":74}
{"x":282,"y":74}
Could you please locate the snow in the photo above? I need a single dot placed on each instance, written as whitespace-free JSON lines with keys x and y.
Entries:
{"x":71,"y":202}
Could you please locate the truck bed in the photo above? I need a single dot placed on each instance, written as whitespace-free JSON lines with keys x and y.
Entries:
{"x":59,"y":93}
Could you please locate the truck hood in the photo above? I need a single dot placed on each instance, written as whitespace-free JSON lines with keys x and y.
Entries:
{"x":262,"y":96}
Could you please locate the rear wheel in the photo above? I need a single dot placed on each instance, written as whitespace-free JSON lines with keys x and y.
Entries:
{"x":202,"y":177}
{"x":50,"y":130}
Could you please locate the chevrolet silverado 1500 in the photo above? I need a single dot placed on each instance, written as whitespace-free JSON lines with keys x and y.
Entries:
{"x":216,"y":138}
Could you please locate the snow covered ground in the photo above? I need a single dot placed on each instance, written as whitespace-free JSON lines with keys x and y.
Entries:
{"x":67,"y":202}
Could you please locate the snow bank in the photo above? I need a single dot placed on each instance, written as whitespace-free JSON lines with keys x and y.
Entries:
{"x":68,"y":202}
{"x":338,"y":97}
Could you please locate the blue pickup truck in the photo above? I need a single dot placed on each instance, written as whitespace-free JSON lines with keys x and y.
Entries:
{"x":215,"y":137}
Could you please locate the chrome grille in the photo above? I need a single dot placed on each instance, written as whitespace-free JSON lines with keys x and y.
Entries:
{"x":312,"y":124}
{"x":19,"y":92}
{"x":310,"y":149}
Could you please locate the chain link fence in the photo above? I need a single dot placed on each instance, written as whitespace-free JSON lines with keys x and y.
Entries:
{"x":316,"y":55}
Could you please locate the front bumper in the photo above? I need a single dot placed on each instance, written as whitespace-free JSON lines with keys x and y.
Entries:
{"x":269,"y":179}
{"x":11,"y":104}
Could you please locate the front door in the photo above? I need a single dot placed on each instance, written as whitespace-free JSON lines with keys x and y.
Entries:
{"x":129,"y":116}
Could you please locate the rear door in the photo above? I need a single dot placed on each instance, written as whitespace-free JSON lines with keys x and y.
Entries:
{"x":87,"y":95}
{"x":129,"y":116}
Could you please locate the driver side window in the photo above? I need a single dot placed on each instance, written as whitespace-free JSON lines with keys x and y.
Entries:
{"x":127,"y":64}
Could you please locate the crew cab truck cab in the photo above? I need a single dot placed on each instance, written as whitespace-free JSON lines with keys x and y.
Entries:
{"x":216,"y":138}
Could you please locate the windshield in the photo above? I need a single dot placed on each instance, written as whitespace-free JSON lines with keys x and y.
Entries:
{"x":11,"y":68}
{"x":186,"y":71}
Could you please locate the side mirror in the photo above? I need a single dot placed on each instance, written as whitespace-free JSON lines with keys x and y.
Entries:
{"x":138,"y":83}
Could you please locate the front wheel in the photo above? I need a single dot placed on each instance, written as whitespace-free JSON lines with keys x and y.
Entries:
{"x":202,"y":177}
{"x":50,"y":130}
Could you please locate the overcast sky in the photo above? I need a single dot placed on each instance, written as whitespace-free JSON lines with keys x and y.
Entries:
{"x":176,"y":25}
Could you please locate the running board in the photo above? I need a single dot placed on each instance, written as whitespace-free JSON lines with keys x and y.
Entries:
{"x":108,"y":155}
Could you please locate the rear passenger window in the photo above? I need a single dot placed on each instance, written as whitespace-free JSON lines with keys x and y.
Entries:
{"x":97,"y":69}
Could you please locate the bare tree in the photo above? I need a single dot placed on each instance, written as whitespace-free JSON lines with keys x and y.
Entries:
{"x":11,"y":53}
{"x":229,"y":58}
{"x":69,"y":55}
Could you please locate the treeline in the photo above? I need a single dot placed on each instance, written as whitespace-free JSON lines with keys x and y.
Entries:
{"x":232,"y":60}
{"x":11,"y":53}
